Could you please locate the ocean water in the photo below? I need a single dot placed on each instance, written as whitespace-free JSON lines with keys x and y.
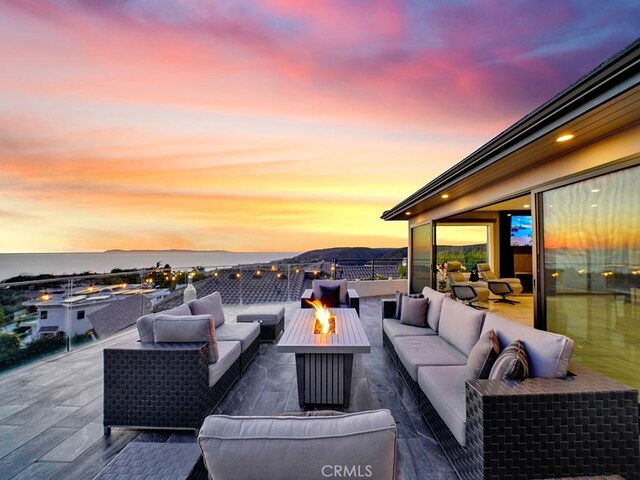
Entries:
{"x":13,"y":264}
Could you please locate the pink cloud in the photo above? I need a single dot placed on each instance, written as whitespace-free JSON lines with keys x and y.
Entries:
{"x":147,"y":108}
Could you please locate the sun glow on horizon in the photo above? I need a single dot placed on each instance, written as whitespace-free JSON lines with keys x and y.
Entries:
{"x":275,"y":127}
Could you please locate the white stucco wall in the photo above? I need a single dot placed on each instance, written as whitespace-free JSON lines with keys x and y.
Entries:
{"x":376,"y":288}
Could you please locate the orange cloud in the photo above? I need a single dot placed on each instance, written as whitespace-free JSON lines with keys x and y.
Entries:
{"x":278,"y":125}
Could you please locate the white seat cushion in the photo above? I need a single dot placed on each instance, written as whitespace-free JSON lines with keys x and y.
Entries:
{"x":416,"y":352}
{"x":228,"y":352}
{"x":245,"y":333}
{"x":393,"y":328}
{"x":445,"y":388}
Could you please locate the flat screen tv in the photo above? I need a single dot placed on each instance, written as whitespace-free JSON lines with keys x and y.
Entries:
{"x":521,"y":231}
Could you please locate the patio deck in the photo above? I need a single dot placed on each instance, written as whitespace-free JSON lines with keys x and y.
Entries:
{"x":51,"y":411}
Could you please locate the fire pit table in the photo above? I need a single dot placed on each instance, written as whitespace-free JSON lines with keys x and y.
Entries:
{"x":324,"y":362}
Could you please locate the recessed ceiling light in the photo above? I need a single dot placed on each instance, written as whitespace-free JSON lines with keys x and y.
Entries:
{"x":565,"y":137}
{"x":407,"y":213}
{"x":526,"y":205}
{"x":445,"y":195}
{"x":594,"y":205}
{"x":508,"y":214}
{"x":595,"y":190}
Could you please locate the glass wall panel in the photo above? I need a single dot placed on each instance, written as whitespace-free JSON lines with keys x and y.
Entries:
{"x":592,"y":270}
{"x":420,"y":258}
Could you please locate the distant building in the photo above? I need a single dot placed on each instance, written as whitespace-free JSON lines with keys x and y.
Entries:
{"x":69,"y":314}
{"x":60,"y":313}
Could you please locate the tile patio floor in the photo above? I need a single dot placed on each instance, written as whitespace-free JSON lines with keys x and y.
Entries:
{"x":51,"y":411}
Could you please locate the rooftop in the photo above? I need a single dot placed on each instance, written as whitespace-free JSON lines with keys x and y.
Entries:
{"x":51,"y":411}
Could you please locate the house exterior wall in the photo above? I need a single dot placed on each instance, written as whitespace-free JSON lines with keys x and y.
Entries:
{"x":57,"y":316}
{"x":608,"y":150}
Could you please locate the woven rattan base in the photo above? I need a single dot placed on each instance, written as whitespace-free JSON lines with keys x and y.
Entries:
{"x":161,"y":385}
{"x":249,"y":354}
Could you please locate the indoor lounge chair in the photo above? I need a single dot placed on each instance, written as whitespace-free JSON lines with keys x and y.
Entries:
{"x":487,"y":275}
{"x":457,"y":278}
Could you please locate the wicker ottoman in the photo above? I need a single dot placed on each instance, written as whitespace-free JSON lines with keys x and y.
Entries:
{"x":149,"y":461}
{"x":270,"y":318}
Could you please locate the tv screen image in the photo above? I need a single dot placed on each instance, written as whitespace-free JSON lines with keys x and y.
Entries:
{"x":521,"y":231}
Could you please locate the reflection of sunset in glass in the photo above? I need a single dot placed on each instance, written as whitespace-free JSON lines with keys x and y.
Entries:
{"x":276,"y":126}
{"x":572,"y":222}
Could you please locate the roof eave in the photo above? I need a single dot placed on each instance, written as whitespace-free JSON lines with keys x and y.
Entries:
{"x":605,"y":77}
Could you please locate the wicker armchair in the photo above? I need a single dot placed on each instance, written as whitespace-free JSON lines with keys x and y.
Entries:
{"x":349,"y":296}
{"x":161,"y":385}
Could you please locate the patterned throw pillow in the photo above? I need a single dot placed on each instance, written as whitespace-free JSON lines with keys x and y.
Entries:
{"x":512,"y":363}
{"x":399,"y":297}
{"x":482,"y":357}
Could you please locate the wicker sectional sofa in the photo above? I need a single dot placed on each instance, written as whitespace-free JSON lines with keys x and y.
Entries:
{"x":173,"y":385}
{"x":560,"y":422}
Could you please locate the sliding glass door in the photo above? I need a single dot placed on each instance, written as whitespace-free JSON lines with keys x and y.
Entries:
{"x":591,"y":270}
{"x":421,"y":270}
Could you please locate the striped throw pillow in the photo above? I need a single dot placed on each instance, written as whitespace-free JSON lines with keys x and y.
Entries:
{"x":511,"y":364}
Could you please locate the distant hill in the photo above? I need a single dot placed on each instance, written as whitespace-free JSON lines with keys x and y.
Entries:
{"x":349,"y":253}
{"x":461,"y":248}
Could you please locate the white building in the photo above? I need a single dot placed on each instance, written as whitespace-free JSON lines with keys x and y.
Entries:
{"x":69,"y":314}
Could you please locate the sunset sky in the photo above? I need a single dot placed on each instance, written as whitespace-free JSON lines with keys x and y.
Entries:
{"x":274,"y":125}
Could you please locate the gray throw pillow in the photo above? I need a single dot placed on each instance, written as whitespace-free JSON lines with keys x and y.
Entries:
{"x":414,"y":311}
{"x":511,"y":364}
{"x":399,"y":297}
{"x":482,"y":356}
{"x":195,"y":328}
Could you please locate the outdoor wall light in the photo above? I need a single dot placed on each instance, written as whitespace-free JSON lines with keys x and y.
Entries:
{"x":565,"y":137}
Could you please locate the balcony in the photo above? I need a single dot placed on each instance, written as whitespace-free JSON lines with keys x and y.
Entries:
{"x":51,"y":411}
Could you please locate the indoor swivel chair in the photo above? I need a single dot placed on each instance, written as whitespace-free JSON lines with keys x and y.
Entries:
{"x":503,"y":290}
{"x":467,"y":294}
{"x":488,"y":276}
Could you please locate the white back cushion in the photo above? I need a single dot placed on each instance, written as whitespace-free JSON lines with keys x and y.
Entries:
{"x":460,"y":325}
{"x":548,"y":353}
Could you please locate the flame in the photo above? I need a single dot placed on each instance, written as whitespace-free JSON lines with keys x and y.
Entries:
{"x":322,"y":315}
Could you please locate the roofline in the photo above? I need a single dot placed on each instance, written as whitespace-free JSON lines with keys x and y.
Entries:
{"x":603,"y":79}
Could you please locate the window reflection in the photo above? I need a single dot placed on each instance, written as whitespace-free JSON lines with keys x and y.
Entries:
{"x":592,"y":270}
{"x":420,"y":257}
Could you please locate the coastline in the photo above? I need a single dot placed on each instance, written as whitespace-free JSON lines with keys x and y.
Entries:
{"x":14,"y":264}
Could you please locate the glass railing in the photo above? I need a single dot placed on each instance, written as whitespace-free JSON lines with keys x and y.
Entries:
{"x":43,"y":316}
